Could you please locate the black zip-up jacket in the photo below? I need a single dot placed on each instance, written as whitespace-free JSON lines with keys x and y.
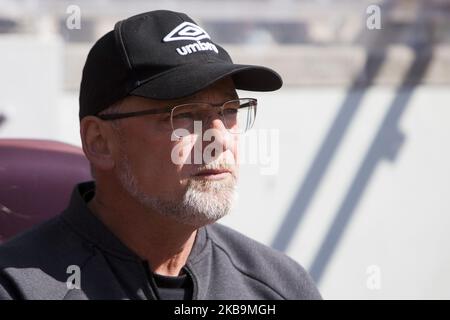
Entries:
{"x":223,"y":263}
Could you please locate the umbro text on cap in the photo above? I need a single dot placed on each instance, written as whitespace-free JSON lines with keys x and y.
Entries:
{"x":161,"y":55}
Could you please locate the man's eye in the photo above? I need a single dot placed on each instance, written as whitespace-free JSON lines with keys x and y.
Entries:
{"x":165,"y":118}
{"x":184,"y":115}
{"x":231,"y":111}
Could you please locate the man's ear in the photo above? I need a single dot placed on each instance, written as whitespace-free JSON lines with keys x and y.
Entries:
{"x":98,"y":142}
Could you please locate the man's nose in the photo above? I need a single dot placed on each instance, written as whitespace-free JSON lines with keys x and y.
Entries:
{"x":214,"y":129}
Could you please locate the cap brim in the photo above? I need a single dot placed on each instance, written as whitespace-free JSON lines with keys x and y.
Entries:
{"x":187,"y":80}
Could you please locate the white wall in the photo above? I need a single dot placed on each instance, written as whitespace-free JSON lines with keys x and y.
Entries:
{"x":30,"y":84}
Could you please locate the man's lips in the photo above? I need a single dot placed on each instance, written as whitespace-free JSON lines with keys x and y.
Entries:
{"x":212,"y":172}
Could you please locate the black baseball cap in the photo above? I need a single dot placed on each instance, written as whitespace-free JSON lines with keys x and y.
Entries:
{"x":161,"y":55}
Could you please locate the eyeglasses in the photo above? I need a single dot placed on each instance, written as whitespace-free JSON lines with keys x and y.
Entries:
{"x":237,"y":115}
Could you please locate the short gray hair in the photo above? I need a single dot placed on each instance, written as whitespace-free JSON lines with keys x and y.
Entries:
{"x":116,"y":107}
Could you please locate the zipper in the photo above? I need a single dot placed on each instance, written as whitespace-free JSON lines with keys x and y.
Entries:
{"x":150,"y":289}
{"x":194,"y":282}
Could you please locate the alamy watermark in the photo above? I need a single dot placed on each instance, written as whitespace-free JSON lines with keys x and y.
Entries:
{"x":74,"y":279}
{"x":373,"y":20}
{"x":373,"y":281}
{"x":256,"y":147}
{"x":73,"y":21}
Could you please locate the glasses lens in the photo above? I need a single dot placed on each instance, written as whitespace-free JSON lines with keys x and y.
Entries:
{"x":239,"y":115}
{"x":184,"y":116}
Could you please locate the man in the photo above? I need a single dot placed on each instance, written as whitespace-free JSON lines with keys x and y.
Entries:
{"x":154,"y":90}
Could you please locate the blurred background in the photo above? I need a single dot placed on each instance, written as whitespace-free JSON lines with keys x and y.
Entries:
{"x":358,"y":189}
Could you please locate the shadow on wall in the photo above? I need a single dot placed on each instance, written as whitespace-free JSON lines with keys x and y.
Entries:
{"x":385,"y":145}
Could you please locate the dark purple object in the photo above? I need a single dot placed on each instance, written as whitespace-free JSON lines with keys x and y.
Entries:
{"x":36,"y":180}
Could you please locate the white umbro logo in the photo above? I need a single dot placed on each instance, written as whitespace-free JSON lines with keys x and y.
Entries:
{"x":187,"y":31}
{"x":190,"y":31}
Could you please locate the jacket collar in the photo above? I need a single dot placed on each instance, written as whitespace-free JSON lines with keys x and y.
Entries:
{"x":86,"y":224}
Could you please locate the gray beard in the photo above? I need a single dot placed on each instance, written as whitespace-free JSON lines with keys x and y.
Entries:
{"x":204,"y":201}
